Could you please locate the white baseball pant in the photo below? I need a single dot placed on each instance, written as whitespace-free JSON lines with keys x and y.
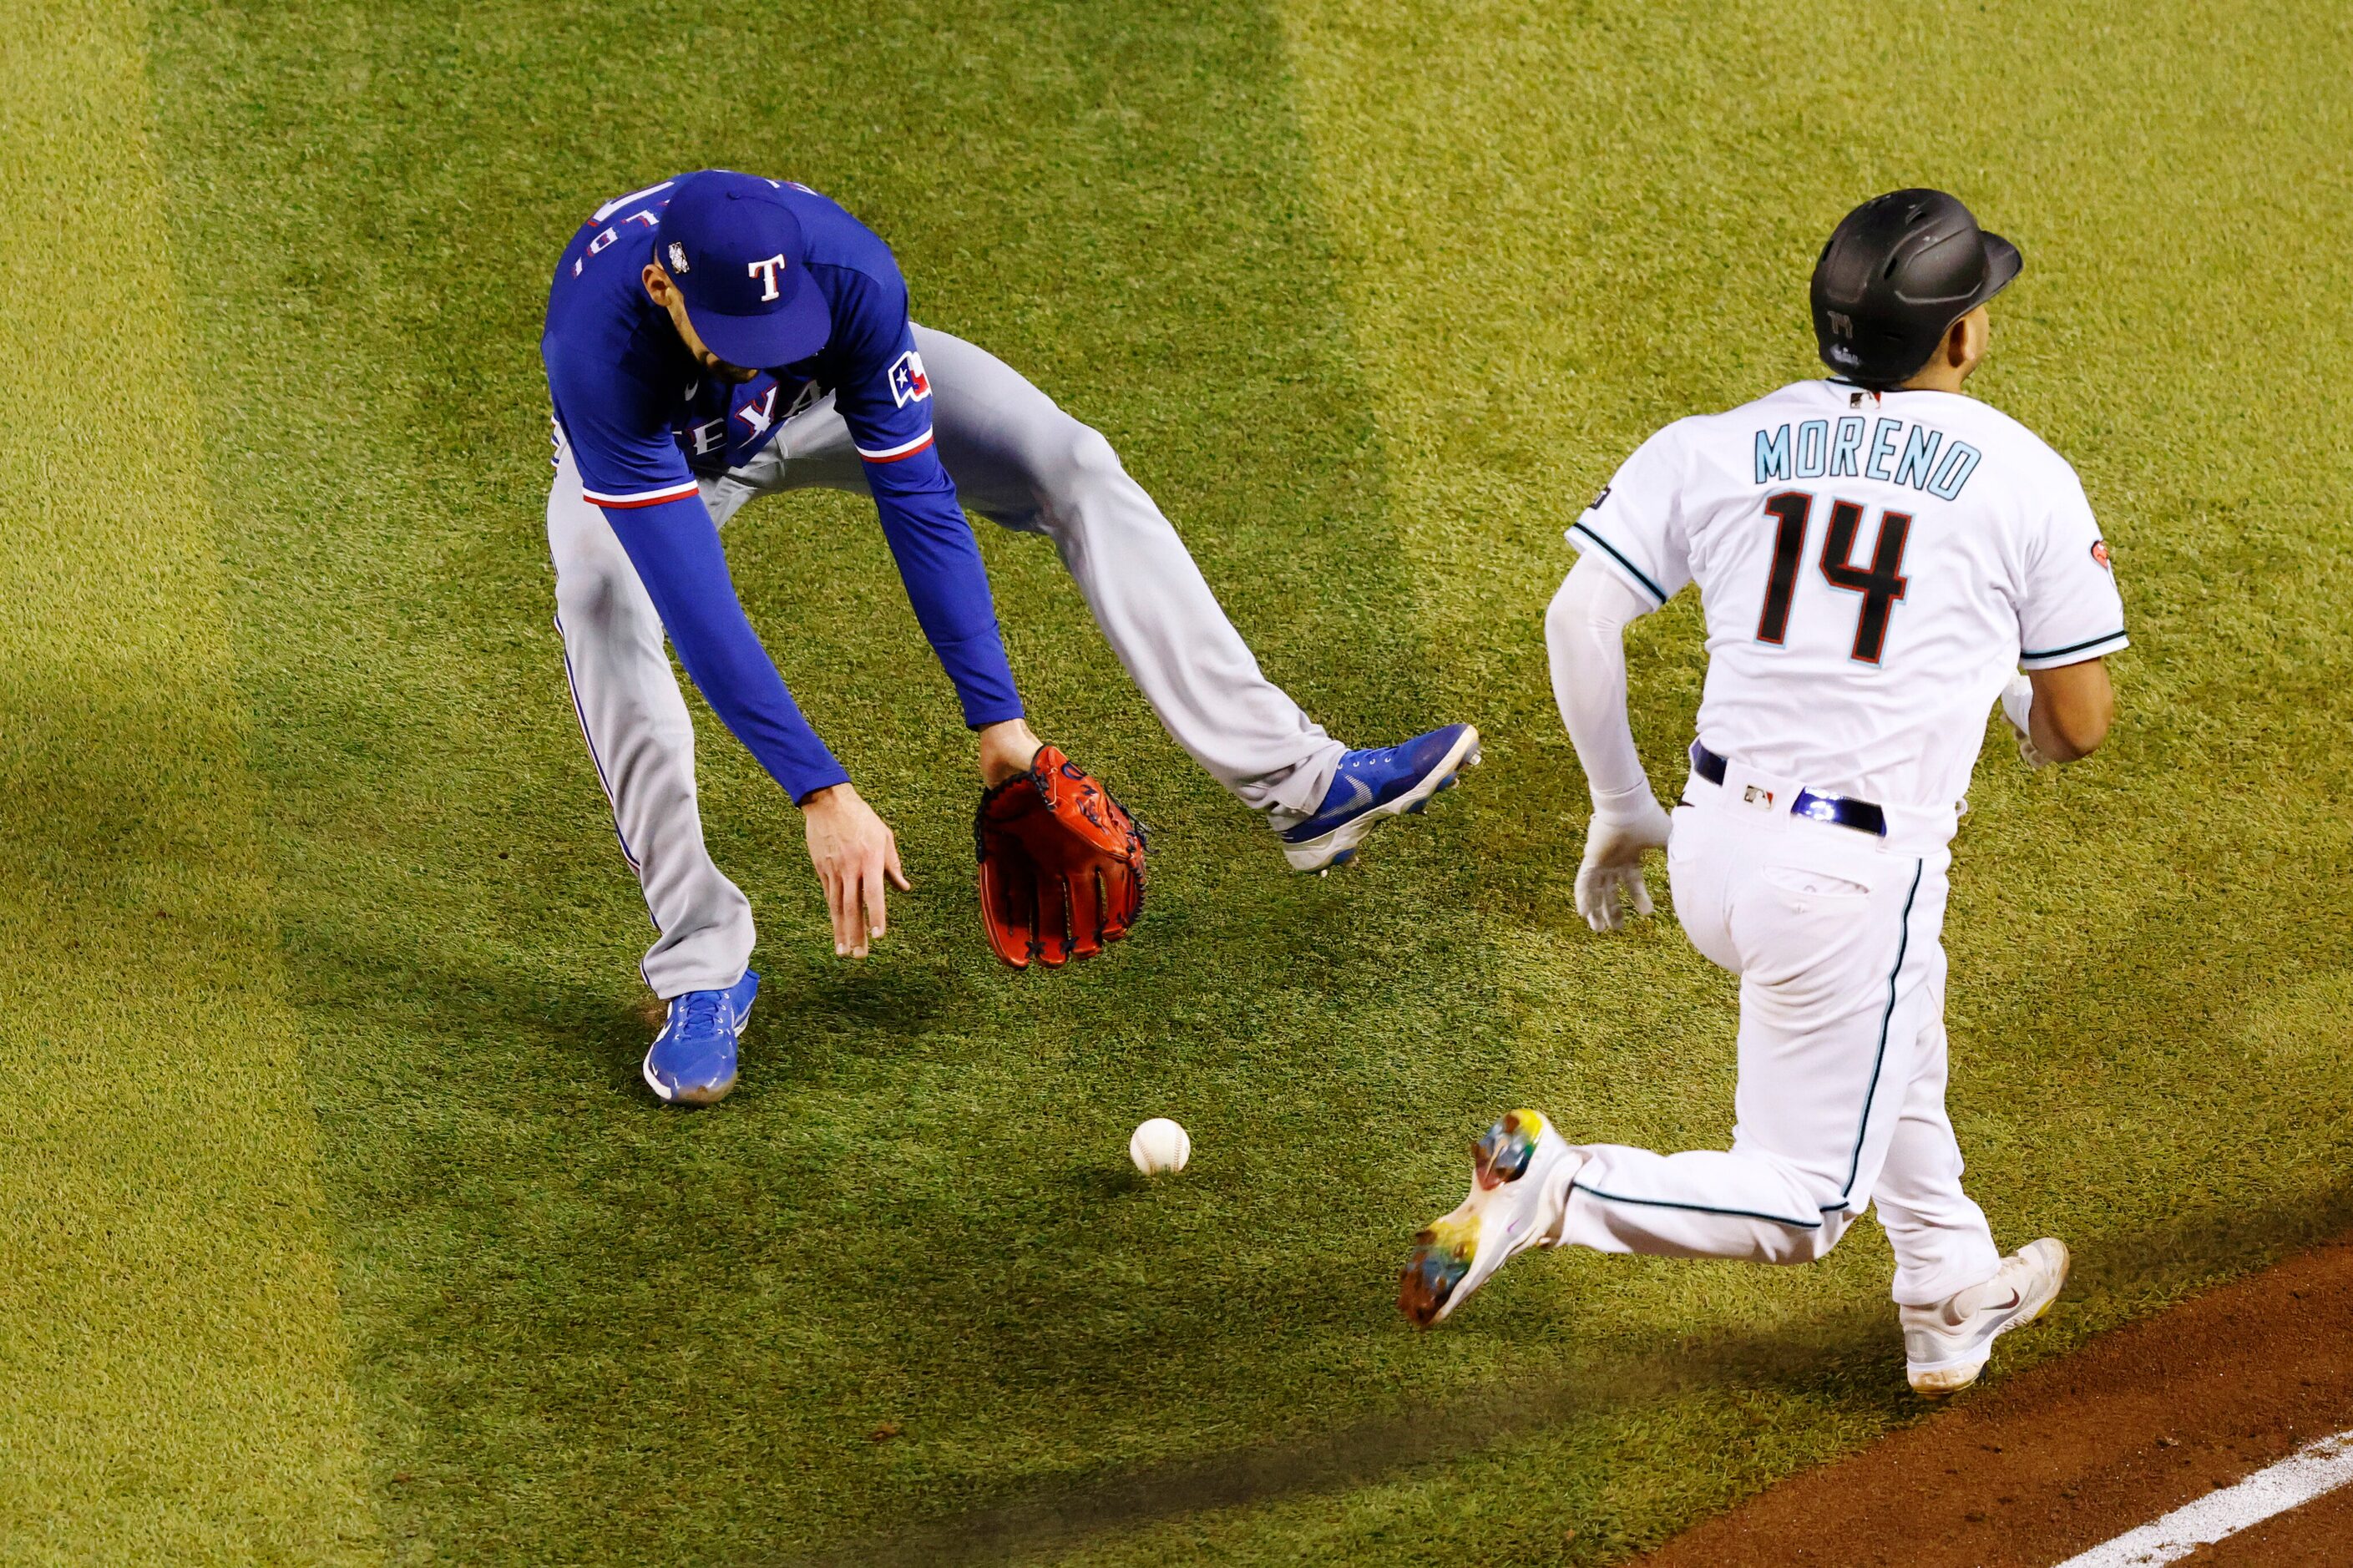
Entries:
{"x":1835,"y":935}
{"x":1016,"y":458}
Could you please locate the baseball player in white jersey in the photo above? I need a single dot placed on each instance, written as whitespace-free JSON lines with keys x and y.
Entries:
{"x":1877,"y":555}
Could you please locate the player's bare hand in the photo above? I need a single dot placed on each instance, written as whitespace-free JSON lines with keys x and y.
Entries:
{"x":855,"y":853}
{"x":1609,"y":878}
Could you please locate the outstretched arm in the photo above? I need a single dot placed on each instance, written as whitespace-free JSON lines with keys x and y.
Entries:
{"x":1585,"y":635}
{"x":884,"y":397}
{"x":948,"y":587}
{"x":675,"y":548}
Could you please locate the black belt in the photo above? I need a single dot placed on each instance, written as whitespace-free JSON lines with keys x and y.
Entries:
{"x":1858,"y":814}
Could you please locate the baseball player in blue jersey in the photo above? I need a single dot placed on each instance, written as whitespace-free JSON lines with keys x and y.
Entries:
{"x":719,"y":336}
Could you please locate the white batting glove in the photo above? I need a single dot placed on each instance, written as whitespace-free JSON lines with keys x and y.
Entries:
{"x":1615,"y":841}
{"x":2017,"y":704}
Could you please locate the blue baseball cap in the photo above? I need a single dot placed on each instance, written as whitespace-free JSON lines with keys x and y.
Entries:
{"x":735,"y":250}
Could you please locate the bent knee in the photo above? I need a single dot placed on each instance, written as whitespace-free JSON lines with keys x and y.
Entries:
{"x":1075,"y":481}
{"x":1077,"y":455}
{"x":1813,"y":1245}
{"x":596,"y":596}
{"x":587,"y":580}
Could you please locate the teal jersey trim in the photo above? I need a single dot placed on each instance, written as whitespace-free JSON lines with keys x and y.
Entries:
{"x":2117,"y":636}
{"x":1703,"y":1208}
{"x":1618,"y":556}
{"x":1886,"y":1020}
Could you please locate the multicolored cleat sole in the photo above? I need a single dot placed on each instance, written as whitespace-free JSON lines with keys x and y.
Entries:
{"x":1518,"y":1187}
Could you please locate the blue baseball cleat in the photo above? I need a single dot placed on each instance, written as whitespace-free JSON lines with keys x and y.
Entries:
{"x":692,"y":1061}
{"x":1372,"y":785}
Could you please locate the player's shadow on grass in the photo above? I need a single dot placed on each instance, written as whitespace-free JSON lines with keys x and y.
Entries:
{"x":808,"y":1015}
{"x":1849,"y":1344}
{"x":1619,"y":1376}
{"x":526,"y":1024}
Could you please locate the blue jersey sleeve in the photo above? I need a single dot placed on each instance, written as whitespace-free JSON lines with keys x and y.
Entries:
{"x":886,"y":401}
{"x":675,"y":547}
{"x":622,"y":443}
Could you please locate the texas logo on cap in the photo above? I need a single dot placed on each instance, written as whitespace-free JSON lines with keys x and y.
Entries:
{"x":735,"y":252}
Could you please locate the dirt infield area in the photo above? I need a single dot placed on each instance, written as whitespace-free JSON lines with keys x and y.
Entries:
{"x":2075,"y":1454}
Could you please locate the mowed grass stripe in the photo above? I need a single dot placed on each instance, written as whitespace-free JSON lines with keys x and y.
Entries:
{"x":1558,"y":230}
{"x":172,"y":1361}
{"x":590,"y":1329}
{"x":901,"y":1280}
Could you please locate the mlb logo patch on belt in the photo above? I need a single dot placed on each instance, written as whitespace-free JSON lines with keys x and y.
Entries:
{"x":1757,"y":795}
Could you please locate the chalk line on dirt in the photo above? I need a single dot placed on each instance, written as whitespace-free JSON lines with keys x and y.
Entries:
{"x":2310,"y":1471}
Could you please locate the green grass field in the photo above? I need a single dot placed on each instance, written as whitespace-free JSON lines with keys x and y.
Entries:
{"x":335,"y":1223}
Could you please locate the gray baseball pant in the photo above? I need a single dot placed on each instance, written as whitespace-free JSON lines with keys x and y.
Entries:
{"x":1016,"y":460}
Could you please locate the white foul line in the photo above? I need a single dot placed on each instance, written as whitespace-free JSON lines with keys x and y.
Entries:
{"x":2304,"y":1475}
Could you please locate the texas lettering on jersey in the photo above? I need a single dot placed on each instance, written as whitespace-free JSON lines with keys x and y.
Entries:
{"x":1871,"y":570}
{"x":725,"y":426}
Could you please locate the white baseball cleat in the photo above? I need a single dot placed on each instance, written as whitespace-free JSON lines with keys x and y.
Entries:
{"x":1520,"y":1171}
{"x":1946,"y":1345}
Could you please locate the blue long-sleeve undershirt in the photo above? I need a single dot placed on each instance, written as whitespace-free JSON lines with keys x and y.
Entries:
{"x":947,"y":585}
{"x":676,"y":551}
{"x":675,"y":548}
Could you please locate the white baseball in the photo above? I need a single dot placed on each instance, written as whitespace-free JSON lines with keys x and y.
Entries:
{"x":1159,"y":1146}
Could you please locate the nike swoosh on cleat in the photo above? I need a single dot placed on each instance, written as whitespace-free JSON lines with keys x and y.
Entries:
{"x":1363,"y":797}
{"x":1951,"y":1321}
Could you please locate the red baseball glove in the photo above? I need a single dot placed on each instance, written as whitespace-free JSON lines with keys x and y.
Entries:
{"x":1061,"y":865}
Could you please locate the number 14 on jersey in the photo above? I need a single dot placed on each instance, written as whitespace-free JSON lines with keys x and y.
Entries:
{"x":1881,"y":582}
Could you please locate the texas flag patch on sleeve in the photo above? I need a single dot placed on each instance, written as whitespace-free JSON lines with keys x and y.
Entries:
{"x":908,"y":382}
